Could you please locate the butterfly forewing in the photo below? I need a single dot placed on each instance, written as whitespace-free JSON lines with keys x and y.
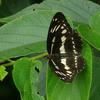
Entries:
{"x":64,"y":46}
{"x":57,"y":26}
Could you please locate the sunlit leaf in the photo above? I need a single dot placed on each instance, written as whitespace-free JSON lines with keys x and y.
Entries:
{"x":3,"y":73}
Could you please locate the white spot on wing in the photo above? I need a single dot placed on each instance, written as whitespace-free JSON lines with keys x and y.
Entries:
{"x":51,"y":48}
{"x":66,"y":67}
{"x":72,"y":38}
{"x":73,"y":42}
{"x":55,"y":64}
{"x":63,"y":38}
{"x":63,"y":61}
{"x":69,"y":72}
{"x":63,"y":78}
{"x":53,"y":40}
{"x":57,"y":27}
{"x":74,"y":46}
{"x":62,"y":27}
{"x":75,"y":61}
{"x":52,"y":19}
{"x":75,"y":52}
{"x":64,"y":31}
{"x":62,"y":49}
{"x":64,"y":24}
{"x":63,"y":74}
{"x":51,"y":30}
{"x":55,"y":19}
{"x":54,"y":29}
{"x":58,"y":72}
{"x":75,"y":57}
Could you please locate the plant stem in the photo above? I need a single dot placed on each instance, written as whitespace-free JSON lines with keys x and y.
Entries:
{"x":9,"y":64}
{"x":39,"y":56}
{"x":32,"y":59}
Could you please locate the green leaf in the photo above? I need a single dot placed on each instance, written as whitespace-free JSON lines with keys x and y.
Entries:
{"x":92,"y":34}
{"x":78,"y":10}
{"x":27,"y":37}
{"x":95,"y":88}
{"x":95,"y":23}
{"x":26,"y":79}
{"x":3,"y":73}
{"x":23,"y":12}
{"x":79,"y":89}
{"x":27,"y":33}
{"x":0,"y":2}
{"x":23,"y":50}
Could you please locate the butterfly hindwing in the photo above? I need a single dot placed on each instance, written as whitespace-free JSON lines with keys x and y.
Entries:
{"x":64,"y":46}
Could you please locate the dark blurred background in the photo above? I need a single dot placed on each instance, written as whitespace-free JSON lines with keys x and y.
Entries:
{"x":9,"y":7}
{"x":8,"y":90}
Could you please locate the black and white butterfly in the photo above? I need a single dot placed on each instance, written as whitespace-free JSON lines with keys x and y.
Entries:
{"x":64,"y":47}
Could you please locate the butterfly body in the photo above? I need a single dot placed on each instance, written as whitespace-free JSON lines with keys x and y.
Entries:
{"x":64,"y":46}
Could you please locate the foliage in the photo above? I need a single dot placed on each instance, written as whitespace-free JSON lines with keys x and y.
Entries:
{"x":3,"y":73}
{"x":23,"y":34}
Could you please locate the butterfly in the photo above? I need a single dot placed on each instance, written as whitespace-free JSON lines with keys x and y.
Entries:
{"x":64,"y":46}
